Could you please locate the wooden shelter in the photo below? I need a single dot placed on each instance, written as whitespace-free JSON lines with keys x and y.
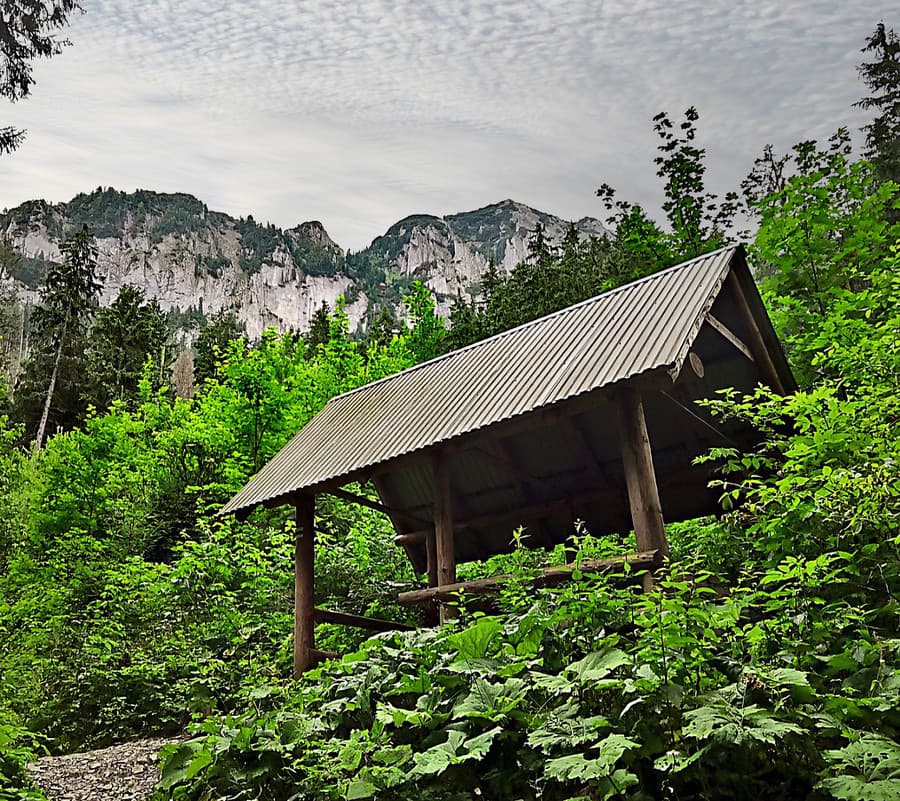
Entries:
{"x":586,"y":414}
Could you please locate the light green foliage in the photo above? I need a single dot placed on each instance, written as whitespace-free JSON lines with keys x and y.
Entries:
{"x":766,"y":664}
{"x":123,"y":606}
{"x":822,"y":233}
{"x":18,"y":746}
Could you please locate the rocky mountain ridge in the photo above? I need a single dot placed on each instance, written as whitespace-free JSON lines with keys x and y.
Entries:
{"x":198,"y":262}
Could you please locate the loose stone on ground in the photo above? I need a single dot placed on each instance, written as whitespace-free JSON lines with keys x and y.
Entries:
{"x":126,"y":772}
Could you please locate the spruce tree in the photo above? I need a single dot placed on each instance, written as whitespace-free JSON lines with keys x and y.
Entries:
{"x":882,"y":77}
{"x":125,"y":334}
{"x":56,"y":366}
{"x":28,"y":30}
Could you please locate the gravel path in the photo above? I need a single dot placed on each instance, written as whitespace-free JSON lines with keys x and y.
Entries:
{"x":126,"y":772}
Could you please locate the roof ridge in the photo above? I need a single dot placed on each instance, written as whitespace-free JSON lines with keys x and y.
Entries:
{"x":558,"y":313}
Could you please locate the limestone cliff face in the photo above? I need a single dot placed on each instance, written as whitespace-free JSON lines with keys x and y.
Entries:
{"x":451,"y":254}
{"x":196,"y":263}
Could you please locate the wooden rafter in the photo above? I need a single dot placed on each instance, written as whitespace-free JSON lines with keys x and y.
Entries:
{"x":527,"y":486}
{"x":730,"y":336}
{"x":391,"y":511}
{"x":579,"y":443}
{"x":757,"y":343}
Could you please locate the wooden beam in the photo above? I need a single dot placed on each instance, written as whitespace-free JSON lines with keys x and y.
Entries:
{"x":304,"y":585}
{"x":548,"y":576}
{"x":391,"y":512}
{"x":494,"y":448}
{"x":358,"y":621}
{"x":317,"y":656}
{"x":729,"y":335}
{"x":445,"y":553}
{"x":637,"y":458}
{"x":757,"y":343}
{"x":694,"y":414}
{"x":533,"y":512}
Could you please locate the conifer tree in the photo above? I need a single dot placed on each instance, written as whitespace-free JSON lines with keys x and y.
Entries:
{"x":28,"y":30}
{"x":882,"y":77}
{"x":56,"y":366}
{"x":124,"y":335}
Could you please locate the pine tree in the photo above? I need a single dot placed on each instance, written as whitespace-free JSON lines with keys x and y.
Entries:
{"x":319,"y":329}
{"x":882,"y":77}
{"x":68,"y":298}
{"x":125,"y":334}
{"x":212,"y":342}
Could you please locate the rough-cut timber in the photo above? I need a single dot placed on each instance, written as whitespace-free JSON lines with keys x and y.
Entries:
{"x":358,"y":621}
{"x":304,"y":586}
{"x":443,"y":526}
{"x":547,"y":577}
{"x":640,"y":478}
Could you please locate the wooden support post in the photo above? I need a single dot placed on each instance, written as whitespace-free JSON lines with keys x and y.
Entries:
{"x":304,"y":586}
{"x":445,"y":554}
{"x":643,"y":494}
{"x":432,"y":616}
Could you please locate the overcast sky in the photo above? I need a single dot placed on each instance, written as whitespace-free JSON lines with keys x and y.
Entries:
{"x":359,"y":113}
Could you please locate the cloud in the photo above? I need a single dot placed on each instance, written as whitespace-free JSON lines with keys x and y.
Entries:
{"x":359,"y":113}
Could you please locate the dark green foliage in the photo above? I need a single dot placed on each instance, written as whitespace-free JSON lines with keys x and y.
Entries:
{"x":103,"y":211}
{"x":212,"y":343}
{"x":30,"y":31}
{"x":383,"y":328}
{"x":125,"y":335}
{"x":699,"y":223}
{"x":882,"y":78}
{"x":313,"y":257}
{"x":319,"y":329}
{"x":258,"y":243}
{"x":698,"y":220}
{"x":51,"y":390}
{"x":547,"y":282}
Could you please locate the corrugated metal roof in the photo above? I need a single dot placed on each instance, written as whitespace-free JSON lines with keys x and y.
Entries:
{"x":638,"y":327}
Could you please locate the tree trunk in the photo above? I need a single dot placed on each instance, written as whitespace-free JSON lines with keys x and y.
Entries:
{"x":39,"y":439}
